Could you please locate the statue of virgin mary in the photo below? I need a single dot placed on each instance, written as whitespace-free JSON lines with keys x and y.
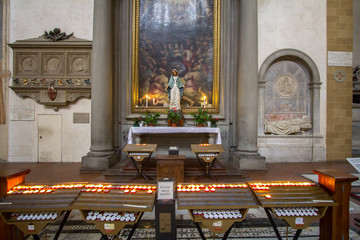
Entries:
{"x":175,"y":89}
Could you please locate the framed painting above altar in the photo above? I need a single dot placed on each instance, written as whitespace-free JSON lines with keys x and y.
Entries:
{"x":175,"y":34}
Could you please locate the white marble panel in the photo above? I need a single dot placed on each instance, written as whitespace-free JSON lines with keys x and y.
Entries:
{"x":299,"y":25}
{"x":22,"y":113}
{"x":292,"y":148}
{"x":343,"y":59}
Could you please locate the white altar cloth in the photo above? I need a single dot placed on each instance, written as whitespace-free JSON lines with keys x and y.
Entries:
{"x":172,"y":130}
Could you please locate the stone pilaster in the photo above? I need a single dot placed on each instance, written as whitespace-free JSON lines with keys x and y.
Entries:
{"x":101,"y":155}
{"x":247,"y":105}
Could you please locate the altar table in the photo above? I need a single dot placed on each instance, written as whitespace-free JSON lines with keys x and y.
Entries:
{"x":135,"y":132}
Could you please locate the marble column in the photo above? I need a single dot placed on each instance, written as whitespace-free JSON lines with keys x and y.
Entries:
{"x":101,"y":155}
{"x":247,"y":102}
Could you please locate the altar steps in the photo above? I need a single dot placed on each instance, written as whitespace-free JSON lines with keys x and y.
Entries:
{"x":124,"y":171}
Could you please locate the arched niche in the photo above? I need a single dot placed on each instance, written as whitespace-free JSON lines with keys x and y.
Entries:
{"x":289,"y":89}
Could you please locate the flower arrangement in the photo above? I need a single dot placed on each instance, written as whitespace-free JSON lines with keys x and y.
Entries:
{"x":137,"y":121}
{"x":213,"y":121}
{"x":151,"y":118}
{"x":201,"y":117}
{"x":174,"y":116}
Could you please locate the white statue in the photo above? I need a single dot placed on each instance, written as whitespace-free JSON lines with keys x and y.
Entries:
{"x":289,"y":126}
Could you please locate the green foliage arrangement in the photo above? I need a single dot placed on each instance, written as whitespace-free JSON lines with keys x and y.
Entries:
{"x":151,"y":118}
{"x":201,"y":117}
{"x":174,"y":115}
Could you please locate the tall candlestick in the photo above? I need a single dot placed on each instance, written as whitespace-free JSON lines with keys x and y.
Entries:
{"x":147,"y":101}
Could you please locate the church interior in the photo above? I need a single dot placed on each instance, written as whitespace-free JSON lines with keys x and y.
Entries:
{"x":179,"y":119}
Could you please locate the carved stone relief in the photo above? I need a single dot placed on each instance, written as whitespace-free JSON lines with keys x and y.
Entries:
{"x":286,"y":85}
{"x":79,"y":64}
{"x":27,"y":64}
{"x":53,"y":64}
{"x":288,"y":126}
{"x":52,"y":73}
{"x":287,"y":99}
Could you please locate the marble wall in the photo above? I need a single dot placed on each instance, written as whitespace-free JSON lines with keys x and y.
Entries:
{"x":282,"y":26}
{"x":29,"y":19}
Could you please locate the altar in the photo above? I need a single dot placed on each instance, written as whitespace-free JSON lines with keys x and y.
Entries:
{"x":181,"y":137}
{"x":136,"y":132}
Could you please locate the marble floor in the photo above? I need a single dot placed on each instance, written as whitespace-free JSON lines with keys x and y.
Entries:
{"x":255,"y":226}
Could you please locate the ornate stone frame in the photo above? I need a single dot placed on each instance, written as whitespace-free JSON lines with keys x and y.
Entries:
{"x":135,"y":62}
{"x":40,"y":64}
{"x":314,"y":84}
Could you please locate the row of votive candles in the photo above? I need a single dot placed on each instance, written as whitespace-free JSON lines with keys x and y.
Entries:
{"x":218,"y":214}
{"x":303,"y":211}
{"x":208,"y":154}
{"x":111,"y":216}
{"x":266,"y":186}
{"x":35,"y":216}
{"x":41,"y":189}
{"x":139,"y":153}
{"x":207,"y":188}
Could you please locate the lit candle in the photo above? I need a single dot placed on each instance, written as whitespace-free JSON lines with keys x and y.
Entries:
{"x":153,"y":101}
{"x":204,"y":101}
{"x":147,"y":101}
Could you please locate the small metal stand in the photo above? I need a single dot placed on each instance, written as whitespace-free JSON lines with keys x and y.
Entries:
{"x":140,"y":168}
{"x":203,"y":236}
{"x":297,"y":234}
{"x":206,"y":169}
{"x":62,"y":224}
{"x":135,"y":226}
{"x":105,"y":237}
{"x":140,"y":153}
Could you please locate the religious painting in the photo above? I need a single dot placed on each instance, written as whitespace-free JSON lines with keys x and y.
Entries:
{"x":175,"y":34}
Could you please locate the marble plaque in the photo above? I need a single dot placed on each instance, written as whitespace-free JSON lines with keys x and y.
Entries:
{"x":22,"y":113}
{"x":81,"y":118}
{"x":343,"y":59}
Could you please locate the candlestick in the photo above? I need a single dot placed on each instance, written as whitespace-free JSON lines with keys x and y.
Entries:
{"x":147,"y":101}
{"x":154,"y":101}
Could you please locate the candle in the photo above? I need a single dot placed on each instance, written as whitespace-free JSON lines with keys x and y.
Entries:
{"x":147,"y":101}
{"x":153,"y":101}
{"x":204,"y":101}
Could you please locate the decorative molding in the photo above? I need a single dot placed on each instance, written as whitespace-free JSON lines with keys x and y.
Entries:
{"x":56,"y":35}
{"x":339,"y":76}
{"x":288,"y":126}
{"x":52,"y":73}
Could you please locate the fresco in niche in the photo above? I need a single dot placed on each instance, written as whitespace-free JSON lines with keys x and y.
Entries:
{"x":176,"y":34}
{"x":287,"y":99}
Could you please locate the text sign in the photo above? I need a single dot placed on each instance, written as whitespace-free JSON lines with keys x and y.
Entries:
{"x":165,"y":190}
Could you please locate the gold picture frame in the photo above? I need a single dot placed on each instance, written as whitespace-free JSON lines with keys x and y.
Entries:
{"x":200,"y":72}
